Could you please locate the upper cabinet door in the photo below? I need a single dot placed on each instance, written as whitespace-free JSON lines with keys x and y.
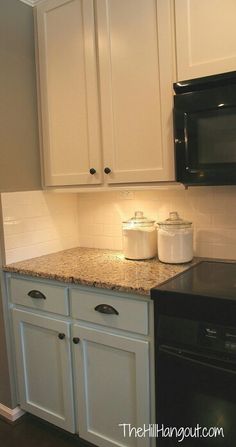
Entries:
{"x":135,"y":60}
{"x":68,"y":92}
{"x":205,"y":37}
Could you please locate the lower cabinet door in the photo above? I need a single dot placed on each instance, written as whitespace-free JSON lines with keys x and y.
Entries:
{"x":112,"y":387}
{"x":44,"y":373}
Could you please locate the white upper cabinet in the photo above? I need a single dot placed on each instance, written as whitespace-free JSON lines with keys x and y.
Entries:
{"x":134,"y":42}
{"x":205,"y":37}
{"x":116,"y":56}
{"x":68,"y":92}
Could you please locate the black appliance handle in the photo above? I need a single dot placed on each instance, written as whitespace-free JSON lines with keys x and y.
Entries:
{"x":183,"y":142}
{"x":198,"y":359}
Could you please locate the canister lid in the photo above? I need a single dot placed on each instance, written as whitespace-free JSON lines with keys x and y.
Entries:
{"x":174,"y":221}
{"x":138,"y":220}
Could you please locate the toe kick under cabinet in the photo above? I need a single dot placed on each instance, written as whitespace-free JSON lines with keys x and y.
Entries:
{"x":84,"y":358}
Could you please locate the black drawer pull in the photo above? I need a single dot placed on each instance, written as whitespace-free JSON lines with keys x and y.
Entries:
{"x":37,"y":295}
{"x":76,"y":340}
{"x":106,"y":309}
{"x":61,"y":336}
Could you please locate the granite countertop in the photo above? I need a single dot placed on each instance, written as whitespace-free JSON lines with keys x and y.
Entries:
{"x":99,"y":268}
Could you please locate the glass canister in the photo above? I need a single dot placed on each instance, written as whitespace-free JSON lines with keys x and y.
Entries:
{"x":139,"y":237}
{"x":175,"y":240}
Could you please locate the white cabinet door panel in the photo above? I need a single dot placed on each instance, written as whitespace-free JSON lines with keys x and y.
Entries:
{"x":205,"y":37}
{"x":112,"y":386}
{"x":137,"y":145}
{"x":44,"y":368}
{"x":69,"y":92}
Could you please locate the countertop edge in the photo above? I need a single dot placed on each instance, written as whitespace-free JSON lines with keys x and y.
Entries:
{"x":78,"y":281}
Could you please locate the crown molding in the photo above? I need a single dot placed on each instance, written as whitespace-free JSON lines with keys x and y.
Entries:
{"x":31,"y":2}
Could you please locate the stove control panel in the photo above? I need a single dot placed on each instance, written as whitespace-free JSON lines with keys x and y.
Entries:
{"x":217,"y":337}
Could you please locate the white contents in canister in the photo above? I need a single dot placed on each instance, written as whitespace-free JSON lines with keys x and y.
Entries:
{"x":140,"y":243}
{"x":175,"y":240}
{"x":175,"y":246}
{"x":139,"y":237}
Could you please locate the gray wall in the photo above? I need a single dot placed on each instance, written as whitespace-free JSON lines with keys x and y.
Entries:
{"x":5,"y":387}
{"x":19,"y":145}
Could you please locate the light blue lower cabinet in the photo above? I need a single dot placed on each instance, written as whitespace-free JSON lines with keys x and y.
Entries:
{"x":85,"y":372}
{"x":111,"y":386}
{"x":43,"y":359}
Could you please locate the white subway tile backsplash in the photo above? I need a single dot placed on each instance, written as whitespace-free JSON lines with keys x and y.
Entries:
{"x":30,"y":238}
{"x":211,"y":209}
{"x":112,"y":230}
{"x":38,"y":223}
{"x":204,"y":249}
{"x":21,"y":253}
{"x":200,"y":219}
{"x":220,"y":251}
{"x":103,"y":242}
{"x":215,"y":235}
{"x":87,"y":241}
{"x":225,"y":219}
{"x":117,"y":243}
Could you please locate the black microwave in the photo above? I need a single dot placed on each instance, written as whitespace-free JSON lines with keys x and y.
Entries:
{"x":205,"y":130}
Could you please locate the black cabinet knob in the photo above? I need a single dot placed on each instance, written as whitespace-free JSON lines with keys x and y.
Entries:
{"x":107,"y":170}
{"x":61,"y":336}
{"x":76,"y":340}
{"x":92,"y":171}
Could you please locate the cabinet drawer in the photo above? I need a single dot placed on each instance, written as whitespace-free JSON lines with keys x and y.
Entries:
{"x":131,"y":315}
{"x":46,"y":297}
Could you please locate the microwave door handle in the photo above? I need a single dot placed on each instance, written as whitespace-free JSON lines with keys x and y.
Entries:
{"x":181,"y":140}
{"x":185,"y":142}
{"x":192,"y":171}
{"x":181,"y":136}
{"x":173,"y":352}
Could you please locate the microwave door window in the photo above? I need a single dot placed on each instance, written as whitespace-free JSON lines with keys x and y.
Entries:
{"x":212,"y":137}
{"x":217,"y":138}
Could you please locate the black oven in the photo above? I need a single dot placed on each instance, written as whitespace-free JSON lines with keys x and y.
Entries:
{"x":195,"y":357}
{"x":205,"y":130}
{"x":196,"y":375}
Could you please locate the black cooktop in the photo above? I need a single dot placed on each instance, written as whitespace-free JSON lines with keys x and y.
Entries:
{"x":208,"y":278}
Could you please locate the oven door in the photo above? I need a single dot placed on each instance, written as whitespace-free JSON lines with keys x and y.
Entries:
{"x":194,"y":390}
{"x":205,"y":137}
